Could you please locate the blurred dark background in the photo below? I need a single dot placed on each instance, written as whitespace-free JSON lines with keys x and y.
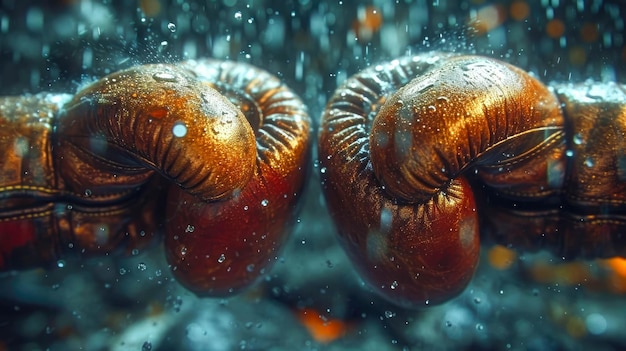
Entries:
{"x":55,"y":45}
{"x":516,"y":301}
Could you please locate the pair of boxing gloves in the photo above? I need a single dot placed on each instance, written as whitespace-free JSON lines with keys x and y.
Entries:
{"x":417,"y":157}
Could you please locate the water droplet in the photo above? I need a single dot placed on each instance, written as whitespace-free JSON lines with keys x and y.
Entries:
{"x":477,"y":300}
{"x":88,"y":192}
{"x":190,"y":228}
{"x":389,"y":314}
{"x":147,"y":346}
{"x":123,"y":271}
{"x":589,"y":162}
{"x":60,"y":263}
{"x":221,"y":259}
{"x":569,"y":153}
{"x":179,"y":129}
{"x":386,"y":220}
{"x":479,"y":326}
{"x":164,"y":77}
{"x":238,"y":15}
{"x":578,"y":139}
{"x":172,"y":27}
{"x":394,"y":285}
{"x":250,"y":267}
{"x":323,"y":170}
{"x":142,"y":266}
{"x":264,"y":202}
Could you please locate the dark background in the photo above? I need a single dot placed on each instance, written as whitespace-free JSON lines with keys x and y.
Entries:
{"x":115,"y":303}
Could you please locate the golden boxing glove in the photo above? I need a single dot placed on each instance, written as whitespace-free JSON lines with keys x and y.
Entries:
{"x":90,"y":173}
{"x":440,"y":148}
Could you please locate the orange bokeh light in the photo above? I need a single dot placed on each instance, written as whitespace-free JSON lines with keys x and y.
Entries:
{"x":555,"y":28}
{"x":488,"y":18}
{"x":519,"y":10}
{"x":369,"y":20}
{"x":501,"y":257}
{"x":323,"y":330}
{"x":589,"y":32}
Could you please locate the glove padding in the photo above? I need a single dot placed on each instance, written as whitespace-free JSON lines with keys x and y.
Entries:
{"x":586,"y":216}
{"x":115,"y":133}
{"x":218,"y":248}
{"x":83,"y":170}
{"x":396,"y":142}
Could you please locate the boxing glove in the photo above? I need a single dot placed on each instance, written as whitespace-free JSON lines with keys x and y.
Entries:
{"x":586,"y":217}
{"x":406,"y":138}
{"x":79,"y":172}
{"x":219,"y":248}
